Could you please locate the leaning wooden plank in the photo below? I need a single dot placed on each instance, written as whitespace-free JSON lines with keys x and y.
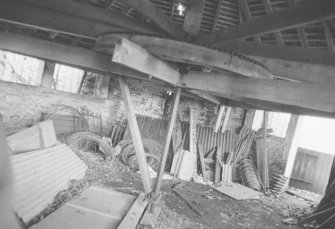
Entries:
{"x":136,"y":135}
{"x":131,"y":55}
{"x":225,"y":121}
{"x":219,"y":119}
{"x":40,"y":136}
{"x":167,"y":140}
{"x":218,"y":167}
{"x":134,"y":214}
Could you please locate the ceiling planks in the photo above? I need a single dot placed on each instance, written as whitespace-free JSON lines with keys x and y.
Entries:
{"x":159,"y":18}
{"x":304,"y":13}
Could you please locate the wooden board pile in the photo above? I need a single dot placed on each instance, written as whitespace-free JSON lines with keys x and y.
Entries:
{"x":225,"y":158}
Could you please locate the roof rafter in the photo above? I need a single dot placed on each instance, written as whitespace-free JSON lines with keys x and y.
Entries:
{"x":304,"y":13}
{"x":160,"y":19}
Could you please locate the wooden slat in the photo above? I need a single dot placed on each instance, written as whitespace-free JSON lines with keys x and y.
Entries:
{"x":134,"y":214}
{"x":301,"y":14}
{"x":296,"y":94}
{"x":131,"y":55}
{"x":159,"y":18}
{"x":167,"y":140}
{"x":136,"y":135}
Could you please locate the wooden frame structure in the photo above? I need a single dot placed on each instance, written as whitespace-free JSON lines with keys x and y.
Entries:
{"x":250,"y":75}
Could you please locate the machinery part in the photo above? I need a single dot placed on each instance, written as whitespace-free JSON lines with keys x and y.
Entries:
{"x":183,"y":52}
{"x":85,"y":140}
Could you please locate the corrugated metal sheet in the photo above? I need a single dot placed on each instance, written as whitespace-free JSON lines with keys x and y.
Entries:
{"x":154,"y":129}
{"x":40,"y":175}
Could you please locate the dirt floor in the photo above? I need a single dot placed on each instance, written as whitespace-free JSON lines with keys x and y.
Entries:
{"x":218,"y":210}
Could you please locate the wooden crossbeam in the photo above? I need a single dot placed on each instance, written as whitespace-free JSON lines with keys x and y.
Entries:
{"x":135,"y":135}
{"x":131,"y":55}
{"x":167,"y":140}
{"x":160,"y":19}
{"x":300,"y":14}
{"x":318,"y":97}
{"x":64,"y":54}
{"x":70,"y":17}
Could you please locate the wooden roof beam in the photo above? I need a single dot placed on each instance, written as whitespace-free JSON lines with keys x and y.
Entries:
{"x":300,"y":95}
{"x":304,"y":13}
{"x":160,"y":19}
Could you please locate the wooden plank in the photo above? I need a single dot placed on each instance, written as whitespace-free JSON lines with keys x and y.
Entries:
{"x":159,"y":18}
{"x":136,"y":135}
{"x":202,"y":161}
{"x":298,"y":15}
{"x":193,"y":17}
{"x":318,"y":97}
{"x":67,"y":17}
{"x":134,"y":214}
{"x":167,"y":140}
{"x":219,"y":119}
{"x":131,"y":55}
{"x":225,"y":121}
{"x":64,"y":54}
{"x":217,"y":165}
{"x":266,"y":163}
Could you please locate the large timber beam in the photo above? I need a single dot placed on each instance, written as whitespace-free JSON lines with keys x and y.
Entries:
{"x":160,"y":19}
{"x":69,"y":17}
{"x":301,"y":14}
{"x":131,"y":55}
{"x":303,"y":95}
{"x":63,"y":54}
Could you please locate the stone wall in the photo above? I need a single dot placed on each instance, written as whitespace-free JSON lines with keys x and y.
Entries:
{"x":22,"y":105}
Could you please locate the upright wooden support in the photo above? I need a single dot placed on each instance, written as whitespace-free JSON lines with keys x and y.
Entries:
{"x":225,"y":121}
{"x":167,"y":141}
{"x":136,"y":135}
{"x":266,"y":173}
{"x":219,"y":119}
